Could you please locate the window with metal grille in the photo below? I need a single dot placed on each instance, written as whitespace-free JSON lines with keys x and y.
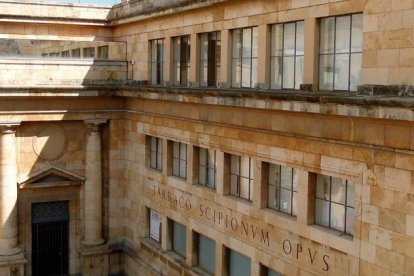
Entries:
{"x":207,"y":168}
{"x":155,"y":153}
{"x":340,"y":52}
{"x":244,"y":57}
{"x":179,"y":158}
{"x":157,"y":61}
{"x":286,"y":56}
{"x":181,"y":57}
{"x":283,"y":189}
{"x":335,"y":203}
{"x":241,"y":177}
{"x":210,"y":52}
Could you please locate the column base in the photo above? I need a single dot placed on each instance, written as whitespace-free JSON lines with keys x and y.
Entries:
{"x":13,"y":264}
{"x":93,"y":243}
{"x":10,"y":252}
{"x":94,"y":259}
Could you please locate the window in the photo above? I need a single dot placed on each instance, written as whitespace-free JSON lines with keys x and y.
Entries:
{"x":239,"y":265}
{"x":155,"y":153}
{"x":335,"y":203}
{"x":179,"y":159}
{"x":155,"y":225}
{"x":181,"y":52}
{"x":89,"y":52}
{"x":157,"y":61}
{"x":244,"y":57}
{"x":241,"y":177}
{"x":269,"y":272}
{"x":103,"y":52}
{"x":178,"y":241}
{"x":65,"y":54}
{"x":207,"y":168}
{"x":210,"y":47}
{"x":283,"y":189}
{"x":76,"y":53}
{"x":206,"y":254}
{"x":340,"y":52}
{"x":287,"y":56}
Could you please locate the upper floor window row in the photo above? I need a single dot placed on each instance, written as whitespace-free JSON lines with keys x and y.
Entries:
{"x":340,"y":56}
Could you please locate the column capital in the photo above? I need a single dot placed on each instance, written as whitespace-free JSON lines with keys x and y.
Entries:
{"x":94,"y":124}
{"x":9,"y":127}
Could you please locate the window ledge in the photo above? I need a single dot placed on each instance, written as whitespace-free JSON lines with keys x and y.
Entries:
{"x":200,"y":271}
{"x":238,"y":199}
{"x":335,"y":239}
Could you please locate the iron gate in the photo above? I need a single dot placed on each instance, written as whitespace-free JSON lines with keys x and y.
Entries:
{"x":50,"y":238}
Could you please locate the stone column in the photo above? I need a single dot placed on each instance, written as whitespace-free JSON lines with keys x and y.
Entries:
{"x":93,"y":185}
{"x":8,"y":190}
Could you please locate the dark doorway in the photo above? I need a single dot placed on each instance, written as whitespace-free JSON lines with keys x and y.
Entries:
{"x":50,"y":238}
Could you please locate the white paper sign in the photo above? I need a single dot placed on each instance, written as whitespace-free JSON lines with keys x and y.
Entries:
{"x":155,"y":225}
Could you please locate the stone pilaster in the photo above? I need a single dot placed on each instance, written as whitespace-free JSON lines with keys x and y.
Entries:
{"x":8,"y":190}
{"x":93,"y":184}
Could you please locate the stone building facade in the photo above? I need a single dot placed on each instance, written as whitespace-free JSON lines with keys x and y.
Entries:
{"x":258,"y":137}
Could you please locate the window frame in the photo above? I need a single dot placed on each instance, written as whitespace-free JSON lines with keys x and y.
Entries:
{"x":158,"y":152}
{"x":179,"y":160}
{"x":158,"y":61}
{"x":334,"y":53}
{"x":278,"y":187}
{"x":173,"y":229}
{"x":216,"y":60}
{"x":282,"y":56}
{"x":207,"y":168}
{"x":238,"y":176}
{"x":331,"y":202}
{"x":183,"y":63}
{"x":198,"y":248}
{"x":240,"y":58}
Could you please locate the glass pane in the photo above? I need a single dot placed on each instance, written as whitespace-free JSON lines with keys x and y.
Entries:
{"x":350,"y":197}
{"x":255,"y":42}
{"x":179,"y":238}
{"x":176,"y":149}
{"x":239,"y":264}
{"x":204,"y":46}
{"x":235,"y":166}
{"x":273,"y":171}
{"x":289,"y":39}
{"x":153,"y":160}
{"x":247,"y":43}
{"x":343,"y":34}
{"x":337,"y":217}
{"x":254,"y":73}
{"x":350,"y":218}
{"x":159,"y":145}
{"x":203,"y":156}
{"x":272,"y":200}
{"x":356,"y":39}
{"x":154,"y":51}
{"x":245,"y":166}
{"x":211,"y":178}
{"x":202,"y":175}
{"x":285,"y":200}
{"x":206,"y":254}
{"x":153,"y":143}
{"x":338,"y":190}
{"x":326,"y":68}
{"x":355,"y":74}
{"x":211,"y":158}
{"x":299,"y":72}
{"x":288,"y":72}
{"x":322,"y":186}
{"x":236,"y":43}
{"x":246,"y":72}
{"x":277,"y":40}
{"x":159,"y":161}
{"x":300,"y":39}
{"x":341,"y":72}
{"x":286,"y":177}
{"x":183,"y":169}
{"x":183,"y":151}
{"x":235,"y":73}
{"x":234,"y":185}
{"x":154,"y":73}
{"x":322,"y":212}
{"x":327,"y":35}
{"x":244,"y":187}
{"x":203,"y":72}
{"x":176,"y":167}
{"x":160,"y":51}
{"x":276,"y":73}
